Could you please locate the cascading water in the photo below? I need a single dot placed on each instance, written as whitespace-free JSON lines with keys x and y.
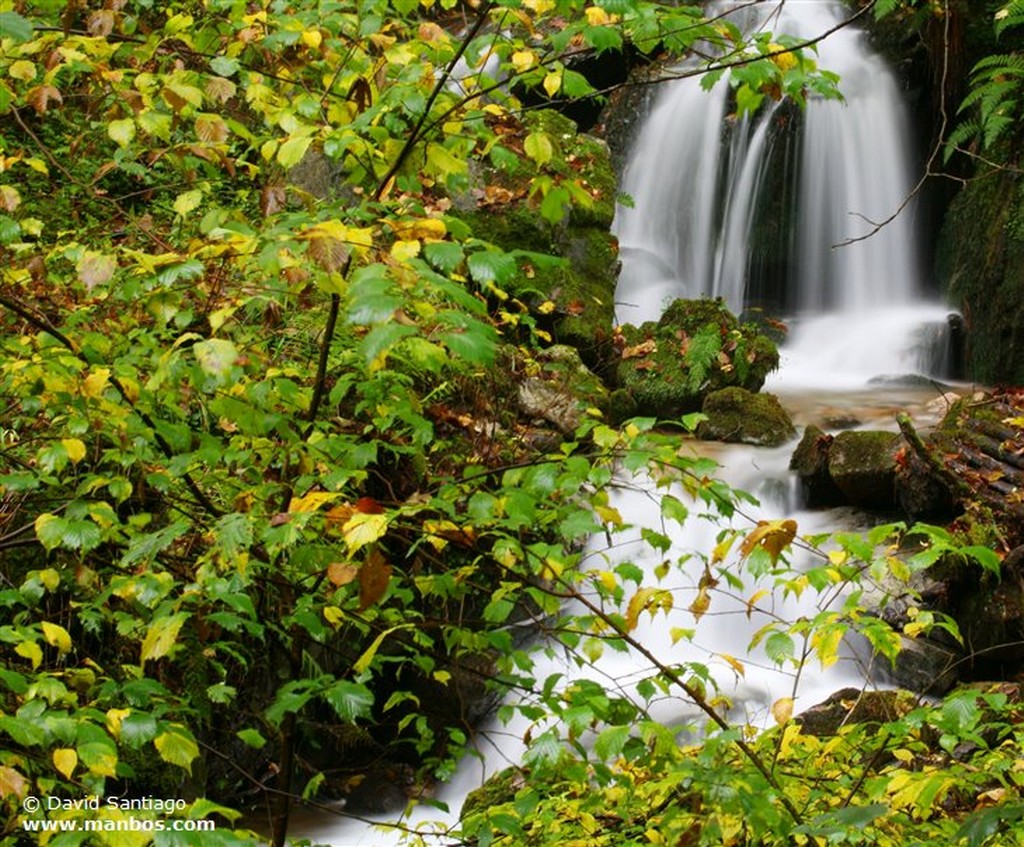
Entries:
{"x":817,"y":253}
{"x":697,"y":179}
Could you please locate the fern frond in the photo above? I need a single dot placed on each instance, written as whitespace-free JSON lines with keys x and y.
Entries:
{"x":1012,"y":14}
{"x":702,"y":352}
{"x":1000,"y":63}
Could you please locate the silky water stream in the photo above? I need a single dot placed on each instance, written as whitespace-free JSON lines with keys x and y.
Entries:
{"x":856,"y":312}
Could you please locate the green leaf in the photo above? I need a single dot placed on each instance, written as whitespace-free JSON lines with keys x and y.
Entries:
{"x":350,"y":700}
{"x":984,"y":556}
{"x":216,"y":356}
{"x":252,"y":737}
{"x":122,"y":131}
{"x":15,"y":27}
{"x":224,"y":66}
{"x":491,"y":266}
{"x":538,"y":146}
{"x":608,"y":745}
{"x":445,"y":256}
{"x":176,"y":746}
{"x":291,"y":152}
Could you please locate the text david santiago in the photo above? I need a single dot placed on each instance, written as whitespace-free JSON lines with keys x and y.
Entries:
{"x":153,"y":804}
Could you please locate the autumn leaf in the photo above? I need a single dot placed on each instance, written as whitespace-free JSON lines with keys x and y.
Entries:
{"x":701,"y":603}
{"x":782,"y":710}
{"x":330,"y":254}
{"x":311,"y":501}
{"x":65,"y":760}
{"x":771,"y":536}
{"x":341,"y":573}
{"x":642,"y":349}
{"x":374,"y":576}
{"x":95,"y":269}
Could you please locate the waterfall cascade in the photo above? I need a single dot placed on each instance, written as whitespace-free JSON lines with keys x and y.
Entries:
{"x":783,"y":210}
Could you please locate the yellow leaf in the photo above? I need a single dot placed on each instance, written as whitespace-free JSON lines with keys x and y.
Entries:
{"x":65,"y":760}
{"x":609,"y":514}
{"x":56,"y":636}
{"x":31,"y":651}
{"x":93,"y":385}
{"x":721,"y":549}
{"x":838,"y":557}
{"x":523,"y":60}
{"x":74,"y":448}
{"x":540,"y":7}
{"x":312,"y":38}
{"x":789,"y":736}
{"x":114,"y":719}
{"x":22,"y":70}
{"x":553,"y":83}
{"x":677,"y":633}
{"x":904,"y":756}
{"x":49,"y":578}
{"x":546,"y":308}
{"x":752,"y":602}
{"x":311,"y":501}
{"x":596,"y":16}
{"x":734,"y":663}
{"x":333,"y":615}
{"x":700,"y":603}
{"x":362,"y":529}
{"x":771,"y":536}
{"x":647,"y":599}
{"x":608,"y":580}
{"x":782,"y":710}
{"x":427,"y":229}
{"x":403,"y":251}
{"x":784,"y":60}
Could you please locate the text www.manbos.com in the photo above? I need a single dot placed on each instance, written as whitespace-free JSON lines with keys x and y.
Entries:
{"x":123,"y":825}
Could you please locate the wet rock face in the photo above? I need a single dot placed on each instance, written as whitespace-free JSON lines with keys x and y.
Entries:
{"x":856,"y":467}
{"x":738,"y":416}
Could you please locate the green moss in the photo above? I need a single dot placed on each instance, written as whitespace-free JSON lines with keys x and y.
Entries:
{"x":697,"y":347}
{"x":739,"y":416}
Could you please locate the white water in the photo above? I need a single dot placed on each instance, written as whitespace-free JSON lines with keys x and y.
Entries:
{"x":859,"y":315}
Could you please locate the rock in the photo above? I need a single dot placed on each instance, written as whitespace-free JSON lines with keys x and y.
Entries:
{"x":862,"y":463}
{"x":923,"y":666}
{"x":695,"y":348}
{"x":739,"y":416}
{"x":853,"y":705}
{"x":810,"y":464}
{"x":562,"y":389}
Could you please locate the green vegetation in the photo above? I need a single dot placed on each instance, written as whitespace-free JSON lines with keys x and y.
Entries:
{"x":263,"y":505}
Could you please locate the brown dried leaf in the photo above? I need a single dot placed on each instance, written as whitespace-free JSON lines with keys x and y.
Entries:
{"x":212,"y":129}
{"x":328,"y":252}
{"x":10,"y":199}
{"x":12,"y":782}
{"x":772,"y":536}
{"x":374,"y":576}
{"x":100,"y":23}
{"x":273,"y":199}
{"x":341,"y":573}
{"x":782,"y":710}
{"x":95,"y":269}
{"x":39,"y":98}
{"x":219,"y":89}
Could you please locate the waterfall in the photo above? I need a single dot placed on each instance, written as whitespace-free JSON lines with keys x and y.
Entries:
{"x":784,"y":210}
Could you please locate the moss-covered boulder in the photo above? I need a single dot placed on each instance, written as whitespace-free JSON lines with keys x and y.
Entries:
{"x":862,"y":463}
{"x":697,"y":347}
{"x":739,"y":416}
{"x":810,"y":464}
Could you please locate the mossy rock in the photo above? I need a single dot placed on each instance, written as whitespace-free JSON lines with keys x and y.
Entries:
{"x":862,"y":463}
{"x":739,"y":416}
{"x":697,"y":347}
{"x":810,"y":464}
{"x":500,"y":788}
{"x":854,"y":705}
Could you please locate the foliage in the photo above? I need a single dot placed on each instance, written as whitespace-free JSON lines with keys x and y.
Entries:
{"x":254,"y":504}
{"x":991,"y":111}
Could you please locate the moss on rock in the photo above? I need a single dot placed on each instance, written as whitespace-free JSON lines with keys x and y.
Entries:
{"x":739,"y":416}
{"x":695,"y":348}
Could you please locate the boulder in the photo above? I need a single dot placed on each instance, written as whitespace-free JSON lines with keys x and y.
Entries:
{"x":854,"y":705}
{"x":810,"y":464}
{"x":560,"y":389}
{"x":862,"y":464}
{"x":696,"y":347}
{"x":739,"y":416}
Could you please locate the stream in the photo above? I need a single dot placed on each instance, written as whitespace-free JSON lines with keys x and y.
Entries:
{"x":859,"y":321}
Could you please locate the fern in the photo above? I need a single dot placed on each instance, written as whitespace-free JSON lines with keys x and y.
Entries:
{"x":1012,"y":14}
{"x":701,"y":354}
{"x":991,"y":108}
